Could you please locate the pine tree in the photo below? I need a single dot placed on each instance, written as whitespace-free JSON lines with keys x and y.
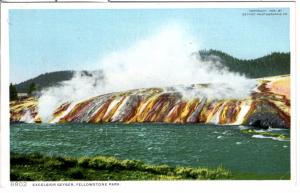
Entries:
{"x":13,"y":94}
{"x":32,"y":88}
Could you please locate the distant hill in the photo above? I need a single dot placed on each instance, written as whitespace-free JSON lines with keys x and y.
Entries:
{"x":45,"y":80}
{"x":276,"y":63}
{"x":270,"y":65}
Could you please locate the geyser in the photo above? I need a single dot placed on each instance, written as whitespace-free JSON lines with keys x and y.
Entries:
{"x":168,"y":57}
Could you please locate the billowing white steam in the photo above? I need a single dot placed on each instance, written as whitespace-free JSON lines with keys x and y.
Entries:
{"x":167,"y":58}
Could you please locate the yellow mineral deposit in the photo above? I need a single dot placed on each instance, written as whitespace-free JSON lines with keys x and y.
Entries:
{"x":270,"y":100}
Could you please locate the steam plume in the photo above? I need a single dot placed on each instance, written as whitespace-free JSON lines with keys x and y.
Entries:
{"x":167,"y":58}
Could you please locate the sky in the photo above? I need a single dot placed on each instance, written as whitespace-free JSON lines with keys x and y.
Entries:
{"x":48,"y":40}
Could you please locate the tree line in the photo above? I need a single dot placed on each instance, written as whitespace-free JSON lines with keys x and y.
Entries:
{"x":13,"y":92}
{"x":276,"y":63}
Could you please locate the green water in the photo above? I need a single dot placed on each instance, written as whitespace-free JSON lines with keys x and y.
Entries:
{"x":176,"y":145}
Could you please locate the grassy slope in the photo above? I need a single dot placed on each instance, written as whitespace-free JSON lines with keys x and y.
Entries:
{"x":36,"y":167}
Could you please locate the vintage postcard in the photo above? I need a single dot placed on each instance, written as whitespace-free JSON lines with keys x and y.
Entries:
{"x":108,"y":95}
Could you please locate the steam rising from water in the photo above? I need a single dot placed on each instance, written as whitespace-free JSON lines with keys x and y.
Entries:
{"x":167,"y":58}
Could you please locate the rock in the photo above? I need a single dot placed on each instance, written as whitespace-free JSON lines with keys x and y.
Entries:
{"x":266,"y":120}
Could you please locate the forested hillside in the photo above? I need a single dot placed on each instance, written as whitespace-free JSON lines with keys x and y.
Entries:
{"x":270,"y":65}
{"x":45,"y":80}
{"x":276,"y":63}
